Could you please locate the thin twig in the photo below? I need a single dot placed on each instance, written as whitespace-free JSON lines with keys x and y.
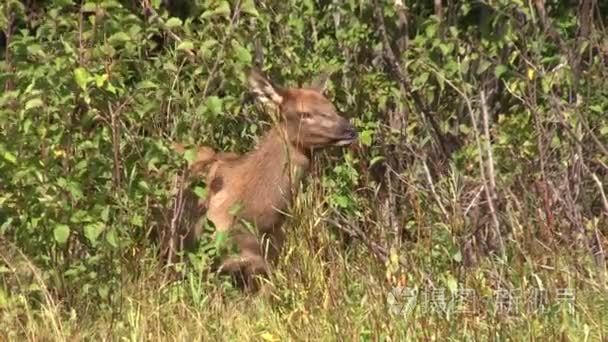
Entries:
{"x":474,"y":200}
{"x":403,"y":24}
{"x":80,"y":38}
{"x":486,"y":128}
{"x":227,"y":36}
{"x":352,"y":230}
{"x":7,"y":51}
{"x":219,"y":60}
{"x":482,"y":166}
{"x":491,"y":190}
{"x":115,"y":146}
{"x":435,"y":196}
{"x":438,"y":9}
{"x":178,"y":207}
{"x":599,"y":255}
{"x":405,"y":82}
{"x":594,"y":137}
{"x":600,"y":188}
{"x":150,"y":11}
{"x":115,"y":126}
{"x":557,"y":107}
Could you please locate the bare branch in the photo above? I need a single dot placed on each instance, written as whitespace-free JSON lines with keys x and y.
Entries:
{"x":171,"y":237}
{"x":354,"y":231}
{"x":438,"y":9}
{"x":227,"y":36}
{"x":486,"y":127}
{"x":402,"y":24}
{"x":555,"y":104}
{"x":542,"y":13}
{"x":115,"y":126}
{"x":600,"y":188}
{"x":7,"y":52}
{"x":405,"y":83}
{"x":435,"y":196}
{"x":490,"y":185}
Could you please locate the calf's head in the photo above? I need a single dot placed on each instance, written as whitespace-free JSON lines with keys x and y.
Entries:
{"x":309,"y":118}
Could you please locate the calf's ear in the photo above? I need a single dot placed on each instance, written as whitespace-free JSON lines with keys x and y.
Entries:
{"x":264,"y":89}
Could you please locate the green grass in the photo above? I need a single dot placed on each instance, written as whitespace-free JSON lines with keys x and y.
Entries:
{"x":325,"y":289}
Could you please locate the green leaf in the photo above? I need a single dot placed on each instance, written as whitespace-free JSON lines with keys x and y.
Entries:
{"x":33,"y":103}
{"x":111,"y":238}
{"x":248,"y":6}
{"x":9,"y":157}
{"x":119,"y":37}
{"x":143,"y":184}
{"x":173,"y":22}
{"x":92,"y":231}
{"x":500,"y":70}
{"x":146,"y":84}
{"x":110,"y":88}
{"x":366,"y":137}
{"x":483,"y":66}
{"x":430,"y":30}
{"x":452,"y":284}
{"x":555,"y":142}
{"x":457,"y":257}
{"x":110,"y":4}
{"x":61,"y":233}
{"x":341,"y":201}
{"x":89,"y":7}
{"x":222,"y":10}
{"x":207,"y":44}
{"x":185,"y":45}
{"x":137,"y":220}
{"x":190,"y":155}
{"x":81,"y":216}
{"x":421,"y":79}
{"x":105,"y":213}
{"x":221,"y":237}
{"x":75,"y":189}
{"x":214,"y":105}
{"x":100,"y":80}
{"x":596,"y":108}
{"x":200,"y":191}
{"x":446,"y":49}
{"x":81,"y":76}
{"x":242,"y":54}
{"x":376,"y":160}
{"x":35,"y":49}
{"x":206,"y":47}
{"x":464,"y":129}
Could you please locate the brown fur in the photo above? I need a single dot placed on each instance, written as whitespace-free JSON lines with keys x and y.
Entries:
{"x":262,"y":182}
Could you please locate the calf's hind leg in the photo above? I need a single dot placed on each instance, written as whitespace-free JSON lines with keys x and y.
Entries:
{"x":244,"y":269}
{"x":249,"y":263}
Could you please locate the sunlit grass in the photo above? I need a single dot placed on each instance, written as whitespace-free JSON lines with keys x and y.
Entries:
{"x":325,"y":289}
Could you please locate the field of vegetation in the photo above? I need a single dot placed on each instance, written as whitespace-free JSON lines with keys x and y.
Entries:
{"x":472,"y":207}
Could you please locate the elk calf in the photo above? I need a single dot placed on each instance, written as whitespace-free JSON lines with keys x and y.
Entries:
{"x":257,"y":187}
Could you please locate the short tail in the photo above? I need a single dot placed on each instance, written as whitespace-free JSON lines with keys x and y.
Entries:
{"x":205,"y":156}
